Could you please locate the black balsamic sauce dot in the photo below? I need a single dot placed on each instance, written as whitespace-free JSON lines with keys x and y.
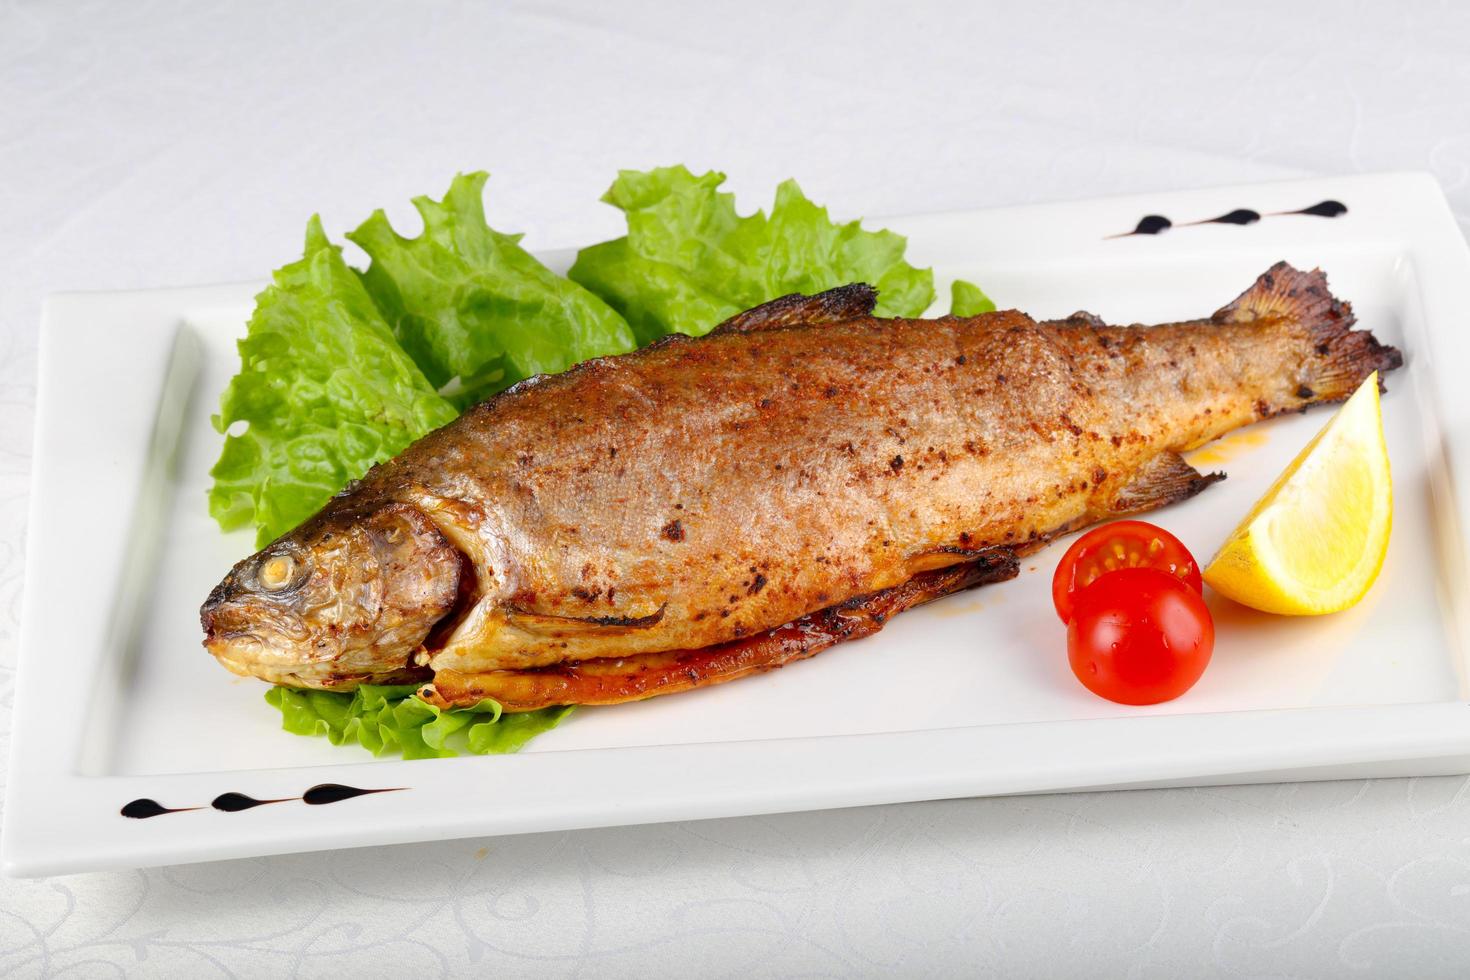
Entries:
{"x":1324,"y":209}
{"x":1152,"y":224}
{"x":1240,"y":216}
{"x":143,"y":809}
{"x":235,"y":802}
{"x":335,"y":793}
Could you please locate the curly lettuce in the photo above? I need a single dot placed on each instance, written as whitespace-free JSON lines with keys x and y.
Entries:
{"x":324,"y":392}
{"x":690,"y":261}
{"x":967,"y":299}
{"x":385,"y":719}
{"x":468,"y":303}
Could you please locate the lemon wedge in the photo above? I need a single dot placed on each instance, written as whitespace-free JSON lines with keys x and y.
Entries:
{"x":1315,"y":542}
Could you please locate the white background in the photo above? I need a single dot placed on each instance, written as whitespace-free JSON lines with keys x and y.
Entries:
{"x":169,"y":144}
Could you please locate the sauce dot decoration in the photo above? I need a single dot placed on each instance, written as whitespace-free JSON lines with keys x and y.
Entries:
{"x":1156,"y":224}
{"x":232,"y":802}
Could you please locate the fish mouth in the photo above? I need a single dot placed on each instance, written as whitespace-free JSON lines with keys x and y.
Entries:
{"x":249,"y":653}
{"x":253,"y":637}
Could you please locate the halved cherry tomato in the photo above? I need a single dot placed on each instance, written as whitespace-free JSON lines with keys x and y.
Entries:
{"x":1121,"y":544}
{"x":1139,"y":636}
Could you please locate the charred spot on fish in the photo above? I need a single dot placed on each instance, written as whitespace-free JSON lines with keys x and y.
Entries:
{"x":674,"y":530}
{"x":1116,"y":440}
{"x":1303,"y":391}
{"x":830,"y":391}
{"x":587,"y":595}
{"x":960,"y":359}
{"x":1099,"y":475}
{"x":1263,"y":407}
{"x":757,"y":585}
{"x":896,"y":463}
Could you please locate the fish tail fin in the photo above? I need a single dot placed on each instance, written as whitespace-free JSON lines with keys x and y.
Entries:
{"x":1338,"y":357}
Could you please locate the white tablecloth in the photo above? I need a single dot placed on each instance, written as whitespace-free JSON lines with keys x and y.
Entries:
{"x":165,"y":144}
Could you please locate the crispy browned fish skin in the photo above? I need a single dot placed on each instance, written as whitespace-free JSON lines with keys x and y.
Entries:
{"x":699,"y":492}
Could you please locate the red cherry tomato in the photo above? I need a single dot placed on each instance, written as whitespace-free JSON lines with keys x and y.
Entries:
{"x":1139,"y":636}
{"x":1121,"y":544}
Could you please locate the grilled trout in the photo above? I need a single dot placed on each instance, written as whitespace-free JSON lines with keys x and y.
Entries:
{"x":703,"y":509}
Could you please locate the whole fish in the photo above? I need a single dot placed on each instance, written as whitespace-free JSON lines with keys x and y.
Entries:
{"x":703,"y":509}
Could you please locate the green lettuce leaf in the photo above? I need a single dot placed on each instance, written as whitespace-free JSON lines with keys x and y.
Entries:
{"x":385,"y":719}
{"x":326,"y":392}
{"x":967,"y":299}
{"x":468,"y":302}
{"x":689,"y":260}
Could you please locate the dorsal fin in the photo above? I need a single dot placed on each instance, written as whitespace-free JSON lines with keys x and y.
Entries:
{"x":850,"y":302}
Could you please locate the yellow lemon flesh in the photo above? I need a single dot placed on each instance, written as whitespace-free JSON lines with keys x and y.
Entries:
{"x":1315,"y":542}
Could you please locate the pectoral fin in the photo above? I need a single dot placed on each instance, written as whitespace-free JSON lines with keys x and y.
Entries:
{"x":567,"y":626}
{"x":1165,"y":479}
{"x":617,"y":679}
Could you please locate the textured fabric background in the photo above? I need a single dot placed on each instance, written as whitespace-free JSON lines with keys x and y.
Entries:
{"x":157,"y":144}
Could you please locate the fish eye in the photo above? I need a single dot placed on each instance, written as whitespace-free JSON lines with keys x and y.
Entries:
{"x":276,"y":572}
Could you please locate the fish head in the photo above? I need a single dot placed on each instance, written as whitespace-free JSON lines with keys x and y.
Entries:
{"x":348,"y":597}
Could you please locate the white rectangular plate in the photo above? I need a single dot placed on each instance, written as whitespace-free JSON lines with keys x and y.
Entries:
{"x":969,"y":696}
